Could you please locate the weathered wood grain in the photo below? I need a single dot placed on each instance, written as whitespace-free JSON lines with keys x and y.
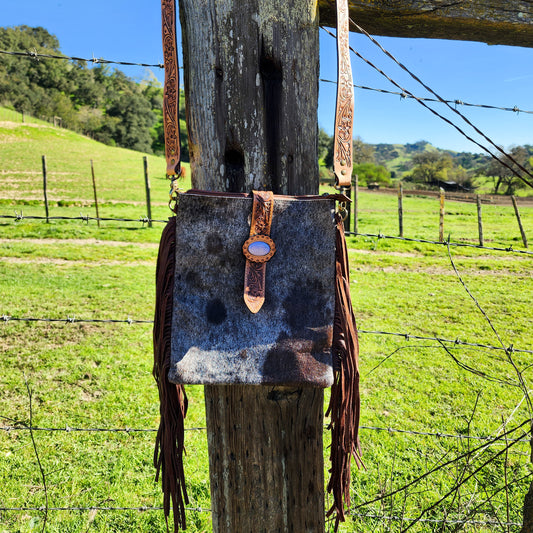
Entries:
{"x":265,"y":450}
{"x":251,"y":81}
{"x":251,"y":86}
{"x":507,"y":22}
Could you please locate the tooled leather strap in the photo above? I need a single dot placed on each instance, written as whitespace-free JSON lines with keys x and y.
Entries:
{"x":170,"y":96}
{"x":342,"y":145}
{"x":258,"y":249}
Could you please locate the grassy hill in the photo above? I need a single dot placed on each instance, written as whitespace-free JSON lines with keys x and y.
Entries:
{"x":119,"y":172}
{"x":398,"y":158}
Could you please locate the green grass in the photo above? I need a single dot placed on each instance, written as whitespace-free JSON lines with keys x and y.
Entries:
{"x":93,"y":375}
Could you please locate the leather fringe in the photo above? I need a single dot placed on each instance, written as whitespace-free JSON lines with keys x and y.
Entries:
{"x":344,"y":404}
{"x":169,"y":446}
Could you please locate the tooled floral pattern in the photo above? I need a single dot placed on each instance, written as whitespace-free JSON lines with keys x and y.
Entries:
{"x":344,"y":110}
{"x":262,"y":213}
{"x":254,"y":282}
{"x":170,"y":95}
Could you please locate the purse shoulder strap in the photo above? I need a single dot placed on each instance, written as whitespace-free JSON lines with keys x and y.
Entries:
{"x":343,"y":133}
{"x":171,"y":122}
{"x":342,"y":145}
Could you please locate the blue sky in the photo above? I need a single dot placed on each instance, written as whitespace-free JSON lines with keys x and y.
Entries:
{"x":471,"y":72}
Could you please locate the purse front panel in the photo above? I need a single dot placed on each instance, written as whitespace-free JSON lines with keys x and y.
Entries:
{"x":215,"y":338}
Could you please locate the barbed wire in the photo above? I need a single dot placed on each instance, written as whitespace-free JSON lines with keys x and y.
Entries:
{"x":74,"y":320}
{"x":514,"y":109}
{"x":508,"y":249}
{"x":205,"y":510}
{"x":144,"y":220}
{"x":33,"y":54}
{"x":458,"y":342}
{"x":436,"y":520}
{"x":99,"y":508}
{"x":509,"y":156}
{"x":439,"y":435}
{"x":407,"y":336}
{"x":84,"y":218}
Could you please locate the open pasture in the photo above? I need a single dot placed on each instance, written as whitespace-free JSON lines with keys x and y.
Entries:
{"x":445,"y":424}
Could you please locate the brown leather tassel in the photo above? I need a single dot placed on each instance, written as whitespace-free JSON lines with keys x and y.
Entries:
{"x":344,"y":404}
{"x":169,"y":446}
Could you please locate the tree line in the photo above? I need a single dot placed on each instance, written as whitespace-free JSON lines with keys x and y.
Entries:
{"x":100,"y":102}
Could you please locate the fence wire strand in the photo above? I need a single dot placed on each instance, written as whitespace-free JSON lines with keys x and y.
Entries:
{"x":33,"y":54}
{"x":390,"y":430}
{"x":144,"y":220}
{"x":456,"y":102}
{"x":508,"y":249}
{"x":100,"y":508}
{"x":84,"y":218}
{"x":436,"y":113}
{"x":407,"y":336}
{"x":453,"y":109}
{"x":509,"y":350}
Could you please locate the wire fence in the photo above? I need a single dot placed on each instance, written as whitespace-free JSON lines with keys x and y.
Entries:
{"x":20,"y":426}
{"x":18,"y":217}
{"x":406,"y":336}
{"x":36,"y":56}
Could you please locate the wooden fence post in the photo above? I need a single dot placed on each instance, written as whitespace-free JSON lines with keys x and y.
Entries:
{"x":147,"y":187}
{"x":347,"y":220}
{"x":251,"y":88}
{"x":355,"y":202}
{"x":517,"y":212}
{"x":95,"y":196}
{"x":400,"y":209}
{"x":45,"y":189}
{"x":441,"y":220}
{"x":479,"y":220}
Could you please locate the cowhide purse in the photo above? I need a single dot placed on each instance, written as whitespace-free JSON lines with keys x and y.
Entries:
{"x":253,"y":288}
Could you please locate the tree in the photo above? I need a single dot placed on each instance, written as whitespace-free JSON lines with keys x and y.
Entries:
{"x":362,"y":152}
{"x":503,"y":176}
{"x":431,"y":166}
{"x":325,"y":144}
{"x":371,"y":173}
{"x":104,"y":104}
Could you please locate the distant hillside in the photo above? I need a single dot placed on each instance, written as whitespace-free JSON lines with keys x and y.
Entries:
{"x":398,"y":158}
